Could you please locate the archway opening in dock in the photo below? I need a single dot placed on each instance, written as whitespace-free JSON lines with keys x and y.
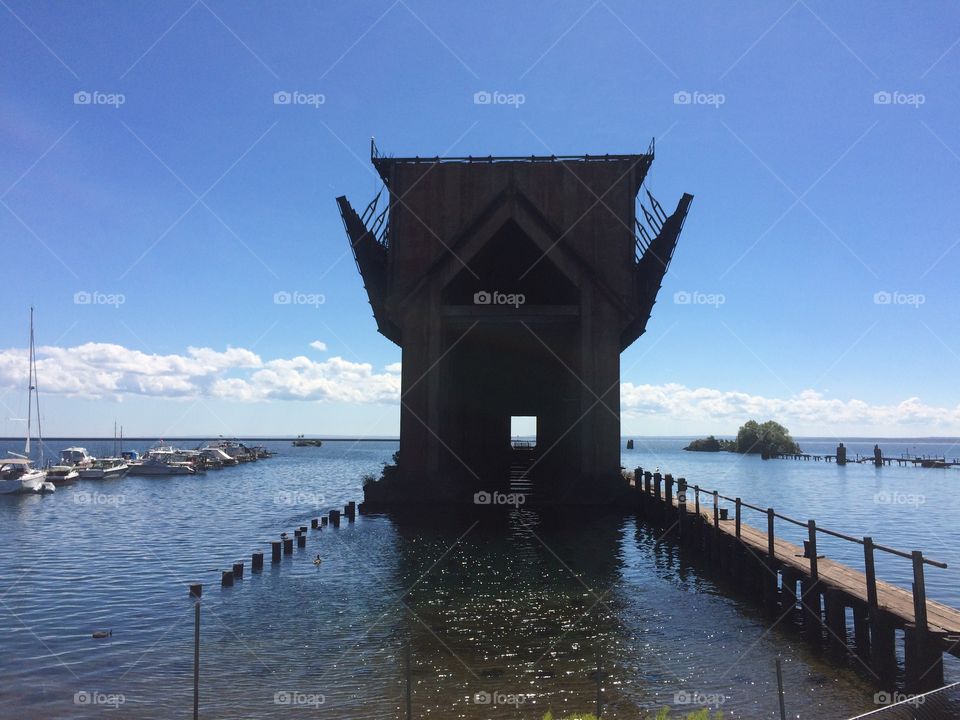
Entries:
{"x":523,"y":452}
{"x":523,"y":431}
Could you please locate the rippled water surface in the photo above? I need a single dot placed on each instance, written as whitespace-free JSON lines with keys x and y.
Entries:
{"x":523,"y":607}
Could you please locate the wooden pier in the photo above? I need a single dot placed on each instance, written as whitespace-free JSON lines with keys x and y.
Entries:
{"x":903,"y":461}
{"x":815,"y":591}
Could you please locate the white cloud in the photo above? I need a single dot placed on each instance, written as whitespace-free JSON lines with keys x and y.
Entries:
{"x":319,"y":345}
{"x":808,"y":411}
{"x":98,"y":370}
{"x":106,"y":370}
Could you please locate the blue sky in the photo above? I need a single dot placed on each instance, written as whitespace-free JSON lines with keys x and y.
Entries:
{"x":184,"y":189}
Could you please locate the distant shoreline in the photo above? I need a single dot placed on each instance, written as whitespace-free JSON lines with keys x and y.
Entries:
{"x":211,"y":438}
{"x":332,"y":438}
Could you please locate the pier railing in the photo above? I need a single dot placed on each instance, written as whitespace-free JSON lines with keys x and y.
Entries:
{"x":810,"y":551}
{"x":659,"y":489}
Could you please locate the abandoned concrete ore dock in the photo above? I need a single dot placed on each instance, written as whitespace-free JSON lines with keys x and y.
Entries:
{"x":512,"y":285}
{"x":810,"y":591}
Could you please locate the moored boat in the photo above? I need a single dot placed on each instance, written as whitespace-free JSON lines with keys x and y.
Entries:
{"x":62,"y":474}
{"x":17,"y":475}
{"x":105,"y":469}
{"x":217,"y":457}
{"x":77,"y":457}
{"x":302,"y":441}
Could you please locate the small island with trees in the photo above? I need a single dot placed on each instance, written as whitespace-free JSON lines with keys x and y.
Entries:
{"x":766,"y":439}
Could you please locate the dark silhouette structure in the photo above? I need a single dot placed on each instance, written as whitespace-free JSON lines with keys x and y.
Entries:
{"x":512,"y":285}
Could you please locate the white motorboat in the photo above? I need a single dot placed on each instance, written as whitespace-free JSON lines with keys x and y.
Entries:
{"x":17,"y":475}
{"x":236,"y":450}
{"x":105,"y":469}
{"x":153,"y":466}
{"x":62,"y":474}
{"x":216,"y":456}
{"x":163,"y":460}
{"x":78,"y":457}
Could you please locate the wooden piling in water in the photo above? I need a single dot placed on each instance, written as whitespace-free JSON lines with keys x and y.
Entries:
{"x":256,"y":562}
{"x":314,"y":523}
{"x":288,"y":546}
{"x":238,"y":570}
{"x":836,"y":620}
{"x":302,"y":540}
{"x":275,"y":548}
{"x":226,"y":578}
{"x":335,"y":518}
{"x":196,"y":590}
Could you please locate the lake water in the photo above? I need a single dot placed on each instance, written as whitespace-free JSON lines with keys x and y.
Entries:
{"x":521,"y":606}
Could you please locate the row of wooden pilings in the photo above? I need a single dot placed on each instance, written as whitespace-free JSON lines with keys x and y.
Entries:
{"x":281,"y":547}
{"x":817,"y":609}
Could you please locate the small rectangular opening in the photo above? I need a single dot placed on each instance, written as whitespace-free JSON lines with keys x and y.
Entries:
{"x":523,"y":431}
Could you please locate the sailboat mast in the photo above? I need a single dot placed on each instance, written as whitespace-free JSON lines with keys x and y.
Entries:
{"x":36,"y":389}
{"x":26,"y":445}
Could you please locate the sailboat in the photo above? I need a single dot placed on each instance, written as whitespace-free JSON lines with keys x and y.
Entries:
{"x":17,"y":473}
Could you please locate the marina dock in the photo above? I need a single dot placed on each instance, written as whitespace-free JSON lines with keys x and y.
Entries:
{"x":813,"y":591}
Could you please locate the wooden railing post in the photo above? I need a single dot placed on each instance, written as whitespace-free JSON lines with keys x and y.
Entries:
{"x":681,"y":504}
{"x":716,"y":510}
{"x":696,"y":496}
{"x":870,"y":571}
{"x":812,"y":545}
{"x":668,"y":491}
{"x":919,"y":593}
{"x":738,"y":517}
{"x":771,"y":551}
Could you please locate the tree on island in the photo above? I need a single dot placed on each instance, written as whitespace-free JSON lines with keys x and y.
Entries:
{"x":770,"y":438}
{"x":711,"y":444}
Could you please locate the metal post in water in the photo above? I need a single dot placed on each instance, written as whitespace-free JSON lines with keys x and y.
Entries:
{"x":196,"y":661}
{"x":783,"y":710}
{"x":409,"y":686}
{"x":599,"y":681}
